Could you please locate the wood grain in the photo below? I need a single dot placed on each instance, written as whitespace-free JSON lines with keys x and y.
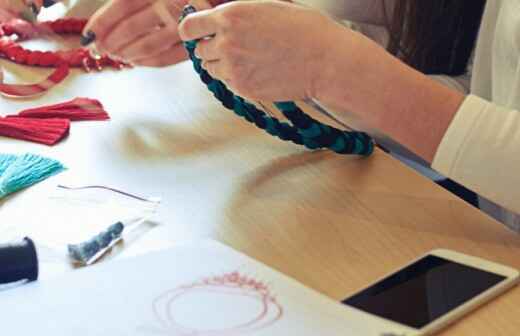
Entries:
{"x":334,"y":223}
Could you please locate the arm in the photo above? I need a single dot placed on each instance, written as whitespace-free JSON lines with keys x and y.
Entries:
{"x":466,"y":139}
{"x":342,"y":69}
{"x":408,"y":106}
{"x":374,"y":12}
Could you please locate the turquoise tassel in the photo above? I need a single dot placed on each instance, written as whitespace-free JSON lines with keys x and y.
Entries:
{"x":5,"y":161}
{"x":27,"y":170}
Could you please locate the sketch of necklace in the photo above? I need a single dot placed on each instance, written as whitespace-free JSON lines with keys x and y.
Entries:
{"x":183,"y":310}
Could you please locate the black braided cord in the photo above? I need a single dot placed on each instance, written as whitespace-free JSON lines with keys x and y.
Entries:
{"x":304,"y":129}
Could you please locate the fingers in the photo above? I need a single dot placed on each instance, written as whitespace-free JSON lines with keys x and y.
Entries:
{"x":145,"y":32}
{"x":6,"y":15}
{"x":24,"y":9}
{"x":201,"y":4}
{"x":34,"y":5}
{"x":215,"y":69}
{"x":113,"y":12}
{"x":172,"y":55}
{"x":198,"y":25}
{"x":207,"y":49}
{"x":37,"y":3}
{"x":164,"y":9}
{"x":150,"y":44}
{"x":140,"y":23}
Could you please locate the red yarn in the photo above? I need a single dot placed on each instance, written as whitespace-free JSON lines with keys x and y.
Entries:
{"x":79,"y":57}
{"x":21,"y":90}
{"x":44,"y":131}
{"x":61,"y":60}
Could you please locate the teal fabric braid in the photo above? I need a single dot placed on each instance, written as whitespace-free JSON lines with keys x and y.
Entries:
{"x":304,"y":129}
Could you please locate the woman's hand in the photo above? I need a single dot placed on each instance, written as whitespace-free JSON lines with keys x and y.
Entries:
{"x":264,"y":50}
{"x":12,"y":9}
{"x":141,"y":32}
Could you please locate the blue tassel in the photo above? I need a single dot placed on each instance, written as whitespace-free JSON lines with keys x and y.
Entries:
{"x":5,"y":161}
{"x":27,"y":170}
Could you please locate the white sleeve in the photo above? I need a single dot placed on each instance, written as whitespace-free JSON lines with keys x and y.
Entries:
{"x":481,"y":151}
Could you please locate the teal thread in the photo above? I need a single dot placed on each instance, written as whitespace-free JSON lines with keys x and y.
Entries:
{"x":239,"y":108}
{"x":339,"y":145}
{"x":311,"y":144}
{"x":311,"y":132}
{"x":285,"y":106}
{"x":5,"y":161}
{"x":270,"y":126}
{"x":25,"y":171}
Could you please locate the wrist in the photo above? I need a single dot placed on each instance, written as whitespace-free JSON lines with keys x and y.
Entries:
{"x":323,"y":60}
{"x":343,"y":68}
{"x":358,"y":76}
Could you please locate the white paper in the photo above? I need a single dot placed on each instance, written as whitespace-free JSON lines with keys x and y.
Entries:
{"x":201,"y":288}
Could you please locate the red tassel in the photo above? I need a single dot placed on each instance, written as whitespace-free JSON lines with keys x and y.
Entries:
{"x":44,"y":131}
{"x":77,"y":109}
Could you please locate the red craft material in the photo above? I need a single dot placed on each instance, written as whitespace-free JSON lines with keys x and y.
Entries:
{"x":50,"y":124}
{"x":75,"y":110}
{"x":61,"y":60}
{"x":20,"y":90}
{"x":44,"y":131}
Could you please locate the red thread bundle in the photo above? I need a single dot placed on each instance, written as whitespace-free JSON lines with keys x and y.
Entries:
{"x":50,"y":124}
{"x":44,"y":131}
{"x":79,"y":109}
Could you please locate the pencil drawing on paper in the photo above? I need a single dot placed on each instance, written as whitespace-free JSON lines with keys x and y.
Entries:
{"x":227,"y":305}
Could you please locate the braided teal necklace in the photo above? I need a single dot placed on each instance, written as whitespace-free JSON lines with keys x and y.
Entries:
{"x":302,"y":130}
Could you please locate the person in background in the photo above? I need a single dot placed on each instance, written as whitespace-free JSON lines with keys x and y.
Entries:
{"x":410,"y":86}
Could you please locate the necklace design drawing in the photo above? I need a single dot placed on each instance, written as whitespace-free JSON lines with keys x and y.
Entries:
{"x":177,"y":312}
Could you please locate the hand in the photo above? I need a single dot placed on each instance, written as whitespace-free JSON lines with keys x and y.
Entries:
{"x":12,"y":9}
{"x":141,"y":32}
{"x":263,"y":50}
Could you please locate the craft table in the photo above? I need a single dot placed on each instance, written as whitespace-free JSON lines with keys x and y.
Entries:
{"x":334,"y":223}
